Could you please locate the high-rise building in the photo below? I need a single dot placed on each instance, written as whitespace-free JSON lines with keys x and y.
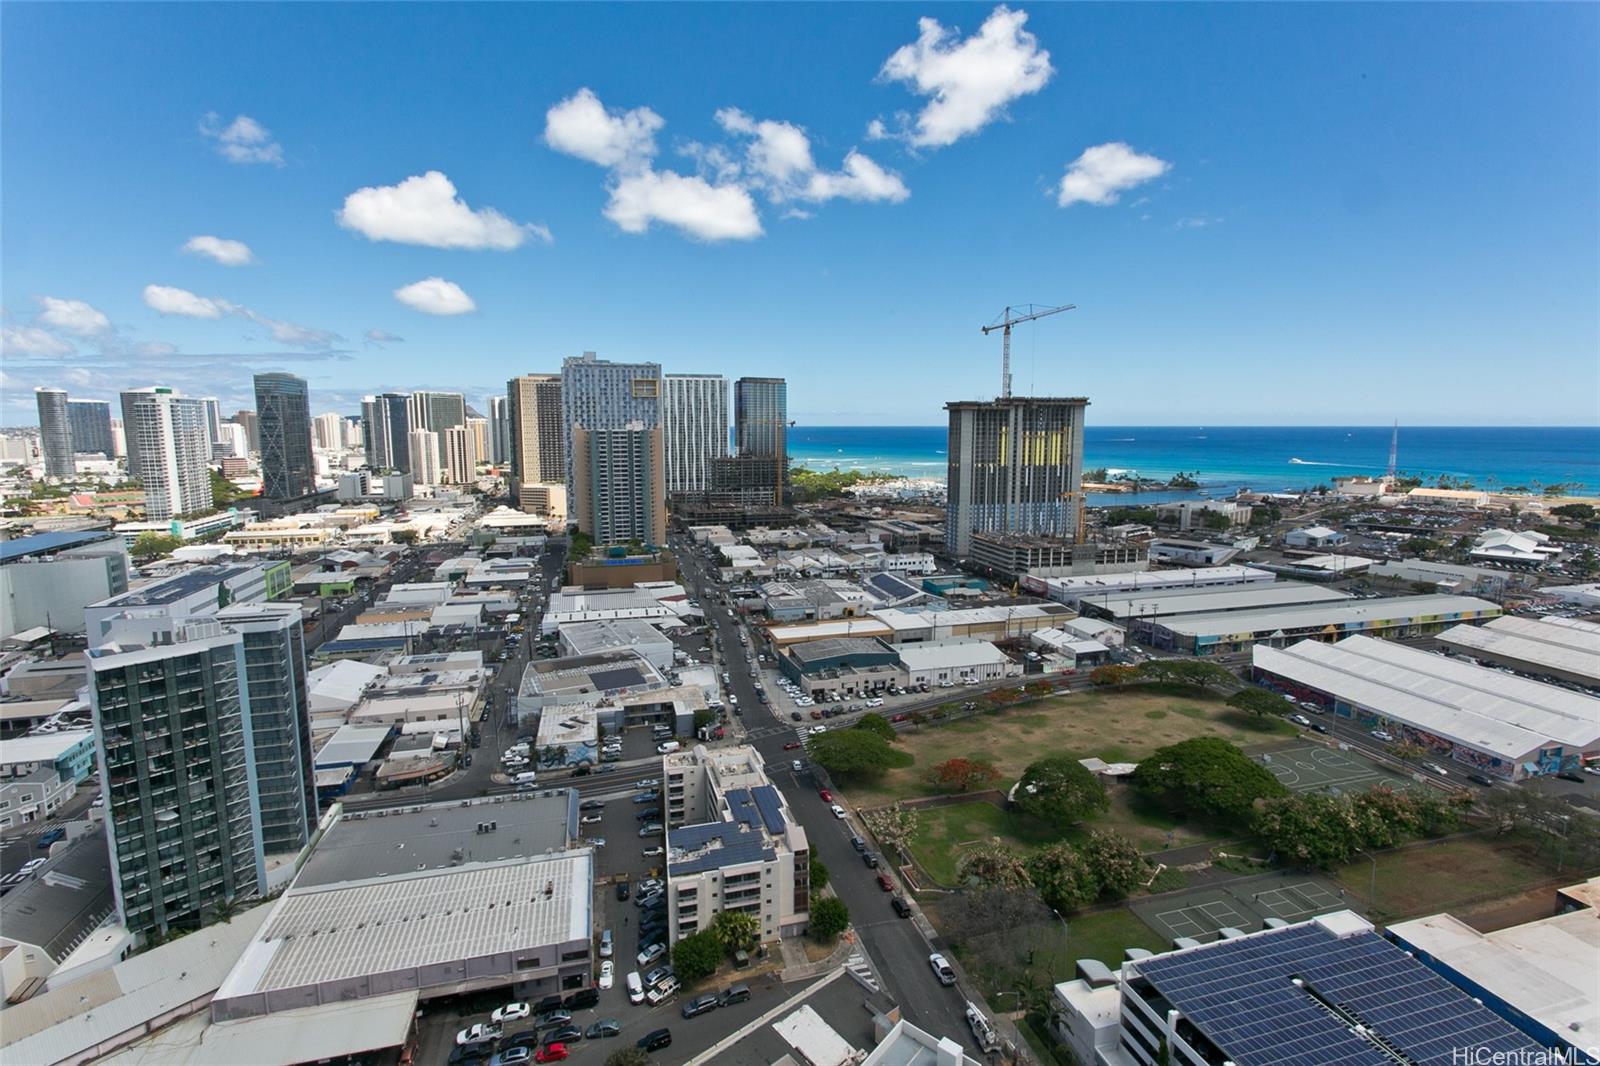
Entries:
{"x":482,"y":446}
{"x":280,"y":720}
{"x":620,"y":475}
{"x":328,"y":431}
{"x":437,"y":411}
{"x":213,"y":417}
{"x":172,"y":737}
{"x":597,"y":394}
{"x":283,"y":409}
{"x":233,"y":443}
{"x":694,"y":421}
{"x":55,"y":432}
{"x":386,"y":431}
{"x":91,"y":427}
{"x":119,"y":439}
{"x":424,"y":448}
{"x":252,"y":427}
{"x":537,"y":438}
{"x":173,"y":449}
{"x":351,"y":434}
{"x":460,"y":466}
{"x":1016,"y":466}
{"x":499,"y":430}
{"x":761,"y":426}
{"x":129,"y":439}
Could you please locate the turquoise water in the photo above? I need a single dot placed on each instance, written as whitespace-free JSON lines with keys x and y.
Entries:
{"x":1264,"y":458}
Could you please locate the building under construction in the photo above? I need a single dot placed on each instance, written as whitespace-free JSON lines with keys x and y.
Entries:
{"x":1016,"y":467}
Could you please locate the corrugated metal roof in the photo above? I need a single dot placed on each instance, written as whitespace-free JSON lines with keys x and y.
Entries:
{"x":1391,"y":610}
{"x":1480,"y":708}
{"x":1548,"y":642}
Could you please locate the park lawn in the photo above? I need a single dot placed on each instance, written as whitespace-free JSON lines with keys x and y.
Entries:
{"x":1104,"y":935}
{"x":1447,"y":875}
{"x":1116,"y":726}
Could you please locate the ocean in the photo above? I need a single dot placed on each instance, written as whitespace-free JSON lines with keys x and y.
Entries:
{"x":1263,"y":458}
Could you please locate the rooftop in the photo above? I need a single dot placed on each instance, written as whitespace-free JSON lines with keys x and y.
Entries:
{"x":1551,"y":643}
{"x":1327,"y":991}
{"x":41,"y":747}
{"x":178,"y":587}
{"x":831,"y":647}
{"x":435,"y":836}
{"x":1392,"y":609}
{"x":65,"y":900}
{"x":1167,"y":602}
{"x":352,"y":744}
{"x":601,"y":673}
{"x":50,"y":543}
{"x":1468,"y":704}
{"x":338,"y":932}
{"x":955,"y":654}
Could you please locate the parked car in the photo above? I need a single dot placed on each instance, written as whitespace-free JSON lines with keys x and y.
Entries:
{"x":512,"y":1056}
{"x":870,"y":859}
{"x":564,"y":1035}
{"x":608,"y":974}
{"x":622,"y":891}
{"x":603,"y":1029}
{"x":656,"y":1040}
{"x":553,"y":1019}
{"x":651,"y":954}
{"x":942,"y":969}
{"x":547,"y":1004}
{"x":827,"y":797}
{"x":699,"y":1005}
{"x":479,"y":1033}
{"x":652,"y":852}
{"x":662,"y":992}
{"x":511,"y":1012}
{"x":859,"y":844}
{"x":884,"y":883}
{"x":551,"y":1053}
{"x":650,"y":830}
{"x":583,"y":997}
{"x":1570,"y":775}
{"x":901,"y":907}
{"x":657,"y":975}
{"x":838,"y":811}
{"x":733,"y":994}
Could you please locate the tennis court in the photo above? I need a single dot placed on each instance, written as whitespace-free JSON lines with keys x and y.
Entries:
{"x":1311,"y":767}
{"x":1244,"y":905}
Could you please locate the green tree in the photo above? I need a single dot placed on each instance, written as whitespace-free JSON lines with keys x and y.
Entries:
{"x":1420,"y":546}
{"x":404,"y":536}
{"x":874,"y":722}
{"x":1259,"y":702}
{"x":1113,"y":676}
{"x":735,"y":930}
{"x":818,"y":873}
{"x":1206,"y":777}
{"x":1215,"y":520}
{"x":1114,"y":862}
{"x":696,"y":956}
{"x":702,"y":718}
{"x":1200,"y":675}
{"x":829,"y":918}
{"x":224,"y":492}
{"x":1585,"y":563}
{"x":1309,"y":829}
{"x":855,"y":753}
{"x":148,"y":545}
{"x":1577,"y":512}
{"x":1060,"y":791}
{"x":1062,"y":877}
{"x":992,"y":863}
{"x":1406,"y":751}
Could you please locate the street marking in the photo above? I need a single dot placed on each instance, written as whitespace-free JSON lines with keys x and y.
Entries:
{"x":857,"y":964}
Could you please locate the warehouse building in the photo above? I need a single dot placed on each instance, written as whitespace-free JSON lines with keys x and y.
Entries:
{"x":1069,"y":590}
{"x":849,"y":666}
{"x":982,"y":623}
{"x":1481,"y":719}
{"x":437,"y":899}
{"x":1399,"y":616}
{"x":1455,"y":577}
{"x":590,"y":638}
{"x":1139,"y":612}
{"x":955,"y":660}
{"x":1564,"y":649}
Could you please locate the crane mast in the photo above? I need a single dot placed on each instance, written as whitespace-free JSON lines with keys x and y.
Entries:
{"x":1013,"y":316}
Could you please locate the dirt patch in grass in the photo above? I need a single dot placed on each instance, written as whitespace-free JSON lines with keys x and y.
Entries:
{"x":815,"y":951}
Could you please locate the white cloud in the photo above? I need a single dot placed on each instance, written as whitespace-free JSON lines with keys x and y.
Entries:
{"x":861,"y":179}
{"x":228,"y":253}
{"x":377,"y":338}
{"x":1199,"y":221}
{"x":1103,"y":171}
{"x":424,"y":209}
{"x":691,"y":204}
{"x":73,"y":316}
{"x":170,"y":301}
{"x":778,"y":160}
{"x":876,"y":130}
{"x":435,"y":296}
{"x":970,"y":81}
{"x":31,"y":340}
{"x":154,"y":348}
{"x":244,"y":140}
{"x":582,"y":126}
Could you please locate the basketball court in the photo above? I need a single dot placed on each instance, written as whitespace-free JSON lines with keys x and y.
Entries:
{"x":1312,"y":768}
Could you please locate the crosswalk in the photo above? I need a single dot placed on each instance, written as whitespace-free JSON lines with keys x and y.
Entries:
{"x":861,"y":966}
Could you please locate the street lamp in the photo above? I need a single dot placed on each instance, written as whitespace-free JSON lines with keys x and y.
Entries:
{"x":1372,"y":892}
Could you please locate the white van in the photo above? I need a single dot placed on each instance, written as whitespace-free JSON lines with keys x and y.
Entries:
{"x":668,"y":747}
{"x":527,"y":777}
{"x":635,"y":988}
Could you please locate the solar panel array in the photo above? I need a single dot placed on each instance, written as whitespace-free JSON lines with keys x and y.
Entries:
{"x":771,"y":808}
{"x":893,"y":587}
{"x":1241,"y":995}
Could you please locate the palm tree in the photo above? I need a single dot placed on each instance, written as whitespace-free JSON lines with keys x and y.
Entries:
{"x":735,"y":930}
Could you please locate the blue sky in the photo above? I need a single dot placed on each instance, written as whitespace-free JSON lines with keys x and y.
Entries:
{"x":1275,"y":214}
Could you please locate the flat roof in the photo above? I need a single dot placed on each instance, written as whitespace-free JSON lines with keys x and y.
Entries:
{"x":424,"y":918}
{"x":438,"y":835}
{"x":597,"y":674}
{"x":1297,"y":994}
{"x":956,"y":653}
{"x":1170,"y":602}
{"x":64,"y":901}
{"x":1204,"y":575}
{"x":49,"y":543}
{"x":352,"y":744}
{"x":968,"y":616}
{"x":828,"y":647}
{"x":178,"y":586}
{"x":42,"y":747}
{"x":1392,"y":609}
{"x":1545,"y":969}
{"x":1467,"y":704}
{"x":1561,"y":644}
{"x":835,"y":1001}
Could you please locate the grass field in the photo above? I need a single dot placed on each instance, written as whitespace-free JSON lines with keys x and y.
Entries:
{"x":1105,"y":934}
{"x":1117,"y":726}
{"x":1445,"y":876}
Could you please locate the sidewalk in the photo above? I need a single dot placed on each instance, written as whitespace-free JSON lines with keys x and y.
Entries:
{"x":796,"y":967}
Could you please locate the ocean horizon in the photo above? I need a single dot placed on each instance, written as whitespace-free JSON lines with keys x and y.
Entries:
{"x":1264,"y":458}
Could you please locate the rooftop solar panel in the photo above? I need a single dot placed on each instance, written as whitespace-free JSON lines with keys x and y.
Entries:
{"x":770,"y":806}
{"x":616,"y":678}
{"x":1242,"y":995}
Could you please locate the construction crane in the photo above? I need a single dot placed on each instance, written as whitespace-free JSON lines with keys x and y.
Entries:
{"x":1013,"y":316}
